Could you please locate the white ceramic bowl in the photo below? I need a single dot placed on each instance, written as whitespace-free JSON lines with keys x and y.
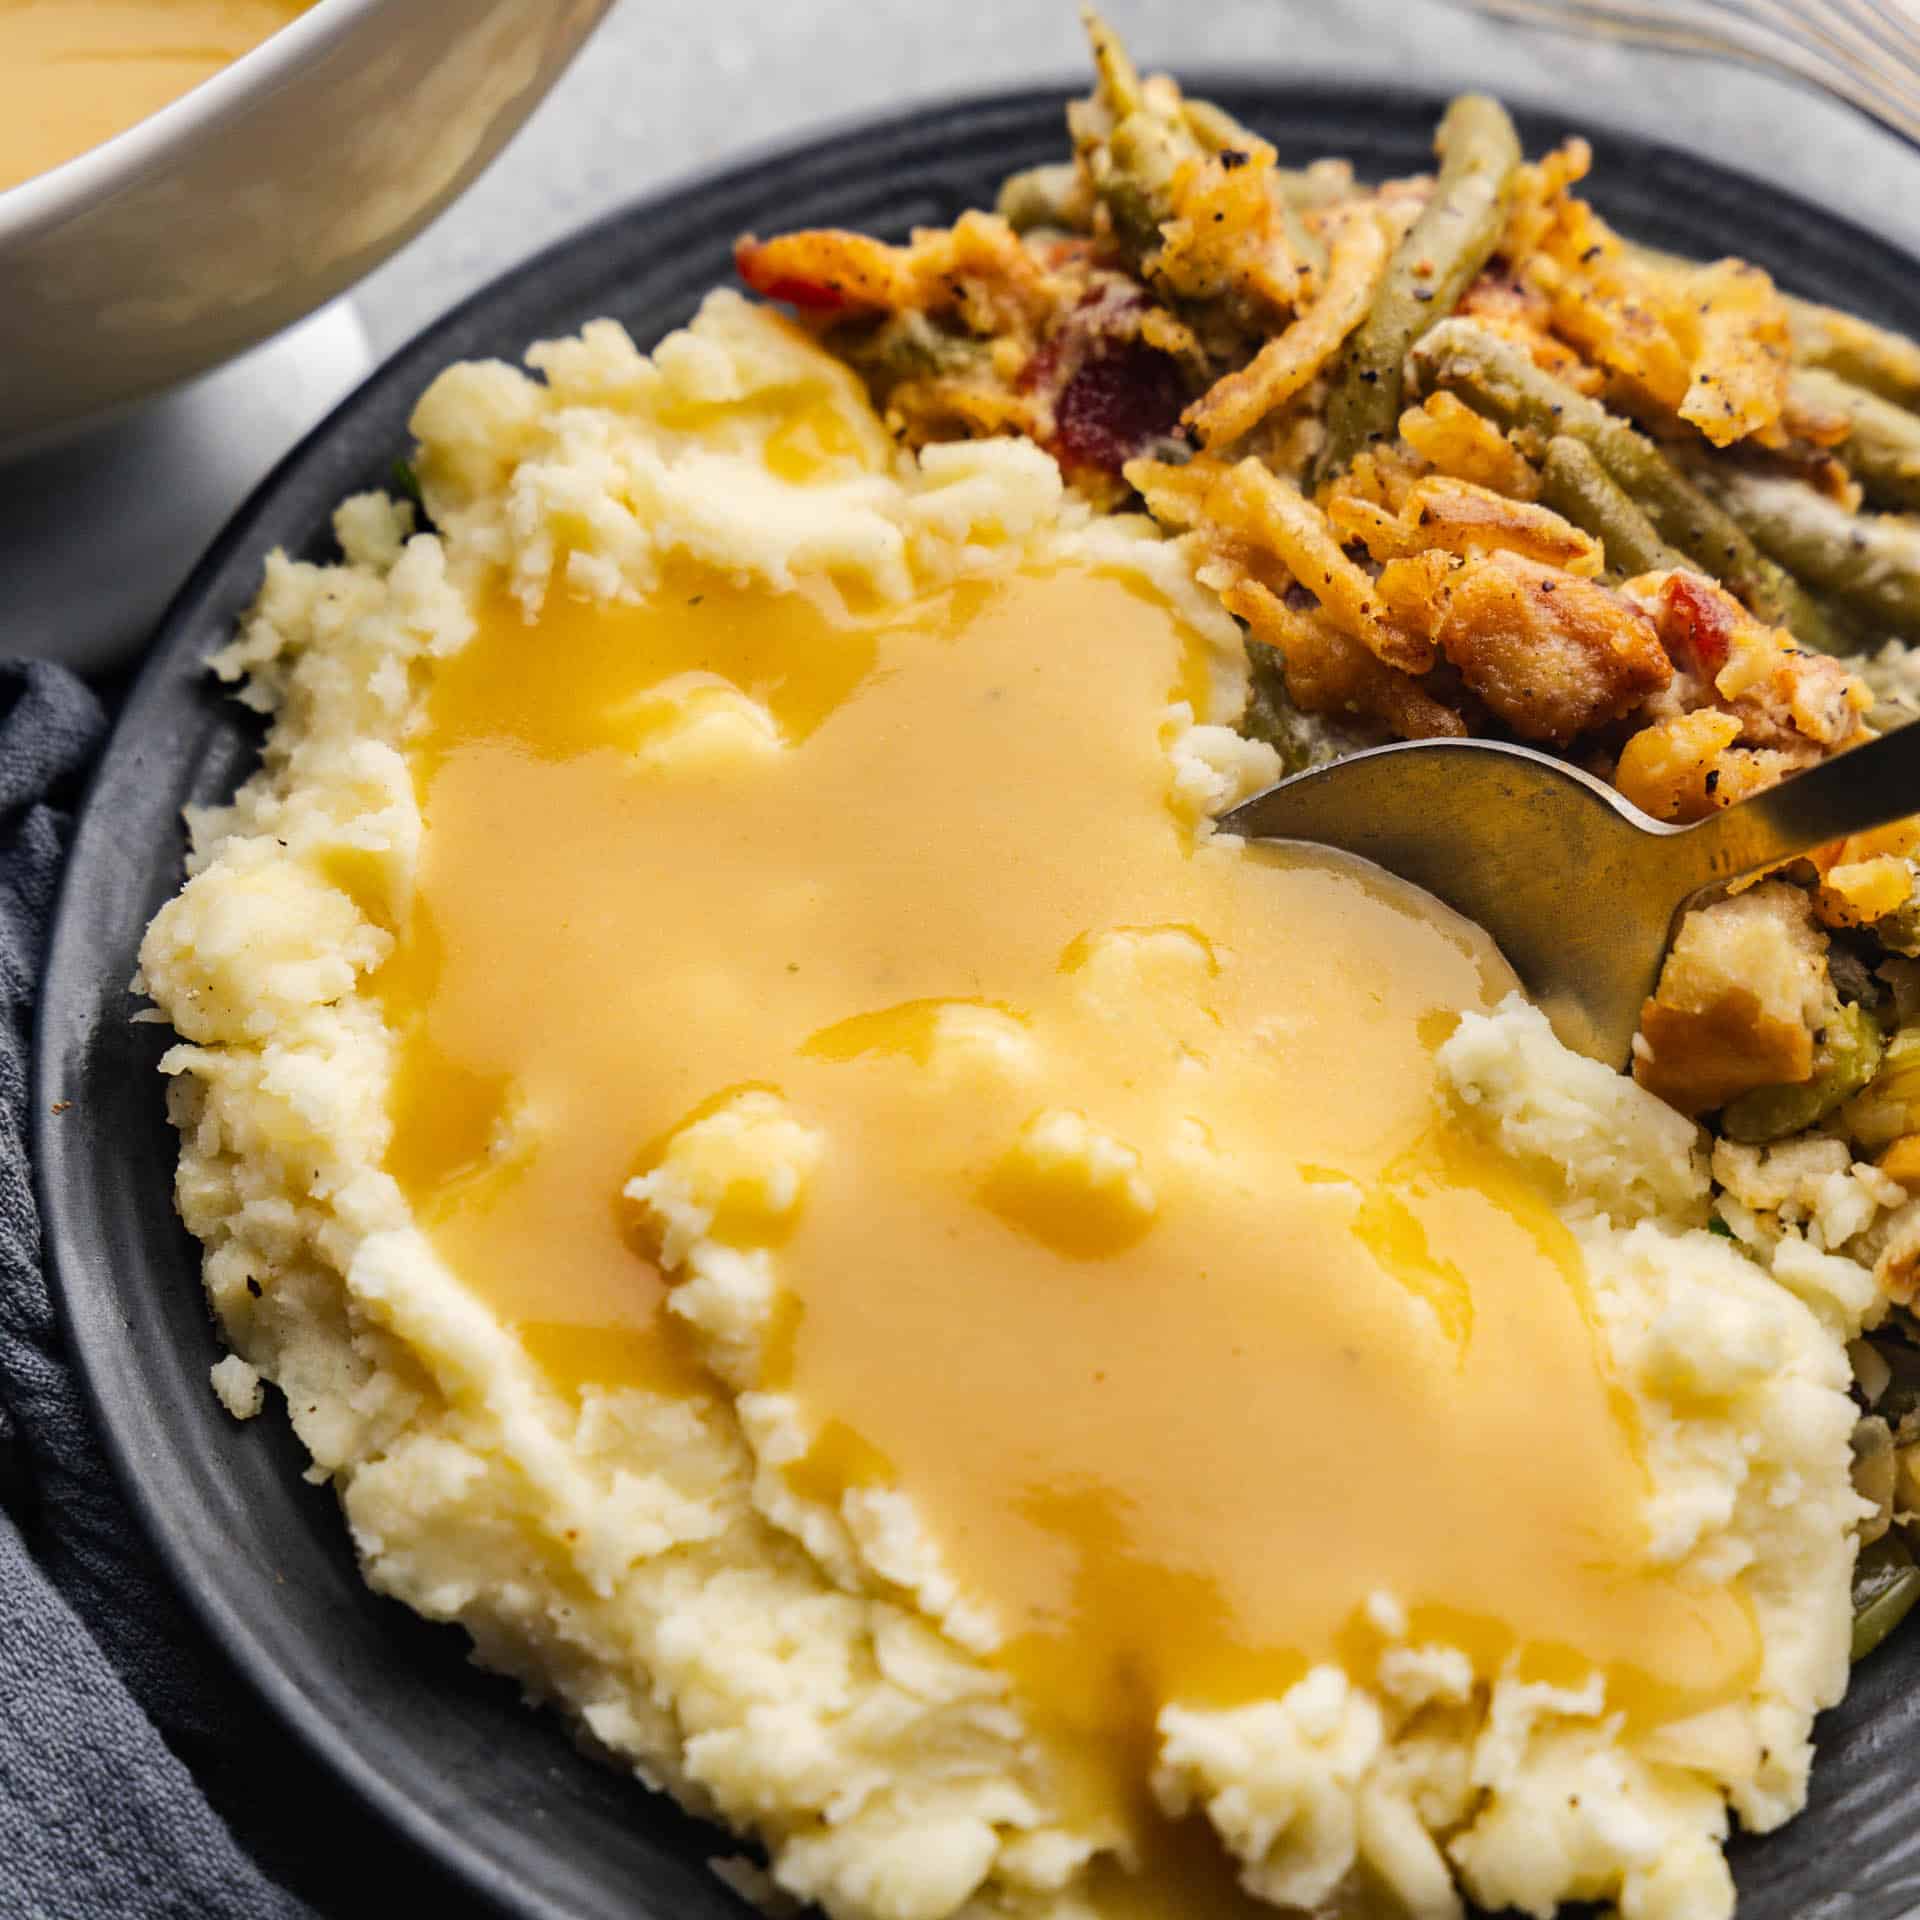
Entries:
{"x":260,"y":195}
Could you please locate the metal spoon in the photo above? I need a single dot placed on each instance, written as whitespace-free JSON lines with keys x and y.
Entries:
{"x":1580,"y":890}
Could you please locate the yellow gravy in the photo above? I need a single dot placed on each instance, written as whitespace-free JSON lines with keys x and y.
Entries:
{"x":1325,"y":1345}
{"x":76,"y":72}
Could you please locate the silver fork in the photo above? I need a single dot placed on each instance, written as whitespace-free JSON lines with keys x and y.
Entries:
{"x":1580,"y":890}
{"x":1867,"y":52}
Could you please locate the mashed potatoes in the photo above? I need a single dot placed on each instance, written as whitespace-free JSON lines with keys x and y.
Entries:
{"x":660,"y":1533}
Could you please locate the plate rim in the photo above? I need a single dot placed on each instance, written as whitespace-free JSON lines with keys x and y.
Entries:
{"x":84,"y":1304}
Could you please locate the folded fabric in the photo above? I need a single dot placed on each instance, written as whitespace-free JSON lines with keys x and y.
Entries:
{"x":138,"y":1775}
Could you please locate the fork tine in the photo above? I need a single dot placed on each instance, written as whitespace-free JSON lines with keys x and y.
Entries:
{"x":1864,"y":52}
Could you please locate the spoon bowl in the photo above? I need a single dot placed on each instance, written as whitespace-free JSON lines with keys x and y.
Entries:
{"x":1578,"y":888}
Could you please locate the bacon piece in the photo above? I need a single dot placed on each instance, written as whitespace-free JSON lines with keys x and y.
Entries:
{"x":1696,"y":623}
{"x":1788,"y":700}
{"x":1122,"y":398}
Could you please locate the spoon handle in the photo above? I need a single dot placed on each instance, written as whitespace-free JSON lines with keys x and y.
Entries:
{"x":1861,"y":788}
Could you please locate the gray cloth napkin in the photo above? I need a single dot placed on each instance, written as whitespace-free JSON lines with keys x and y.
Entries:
{"x":138,"y":1776}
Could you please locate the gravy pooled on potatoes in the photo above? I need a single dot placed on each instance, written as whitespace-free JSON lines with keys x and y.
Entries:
{"x":74,"y":73}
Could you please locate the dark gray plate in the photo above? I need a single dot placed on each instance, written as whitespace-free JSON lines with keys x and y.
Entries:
{"x":500,"y":1799}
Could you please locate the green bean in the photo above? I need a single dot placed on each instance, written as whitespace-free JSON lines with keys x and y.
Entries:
{"x":1143,"y":154}
{"x":1134,"y":145}
{"x":1132,"y":151}
{"x":1431,"y":268}
{"x":1135,"y":179}
{"x":1298,"y":191}
{"x":1116,"y":79}
{"x":1890,"y":1105}
{"x":1302,"y":740}
{"x":1304,"y":242}
{"x":1502,"y":381}
{"x":1886,"y":1583}
{"x":1578,"y":488}
{"x":909,"y":346}
{"x":1215,"y":128}
{"x":1135,"y":163}
{"x":1324,"y":184}
{"x":1882,"y":447}
{"x":1041,"y":197}
{"x":1883,"y":362}
{"x":1037,"y":196}
{"x":1875,"y":1473}
{"x":1211,"y":130}
{"x":1869,"y":562}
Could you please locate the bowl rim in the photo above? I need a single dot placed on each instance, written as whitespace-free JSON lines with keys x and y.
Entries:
{"x":99,"y":172}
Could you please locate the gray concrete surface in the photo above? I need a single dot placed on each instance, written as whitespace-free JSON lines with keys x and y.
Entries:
{"x":672,"y":86}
